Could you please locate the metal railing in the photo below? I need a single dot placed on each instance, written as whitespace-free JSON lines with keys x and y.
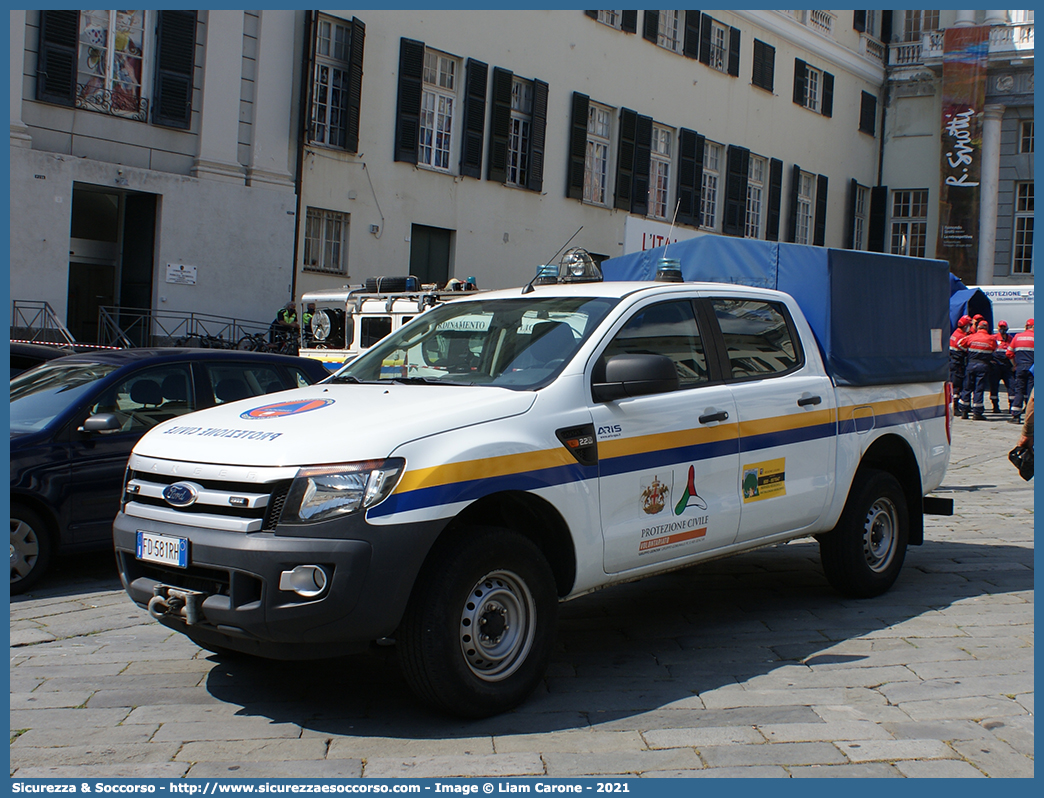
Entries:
{"x":35,"y":320}
{"x":131,"y":327}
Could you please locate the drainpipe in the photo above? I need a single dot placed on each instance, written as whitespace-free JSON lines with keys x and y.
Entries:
{"x":308,"y":53}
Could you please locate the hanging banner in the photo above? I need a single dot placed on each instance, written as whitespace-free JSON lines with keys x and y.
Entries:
{"x":964,"y":99}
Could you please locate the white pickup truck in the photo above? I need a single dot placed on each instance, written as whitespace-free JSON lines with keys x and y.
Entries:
{"x":510,"y":450}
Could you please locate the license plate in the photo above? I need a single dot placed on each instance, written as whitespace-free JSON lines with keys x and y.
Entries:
{"x":162,"y":549}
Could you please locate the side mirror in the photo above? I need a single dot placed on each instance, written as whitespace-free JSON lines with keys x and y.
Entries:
{"x":635,"y":375}
{"x":101,"y":422}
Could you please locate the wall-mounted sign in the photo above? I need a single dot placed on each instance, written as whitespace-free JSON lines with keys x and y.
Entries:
{"x":180,"y":274}
{"x":964,"y":98}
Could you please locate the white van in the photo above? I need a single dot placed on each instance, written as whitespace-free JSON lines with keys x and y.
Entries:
{"x":1013,"y":303}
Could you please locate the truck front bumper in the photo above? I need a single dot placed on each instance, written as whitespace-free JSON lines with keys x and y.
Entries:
{"x":234,"y":593}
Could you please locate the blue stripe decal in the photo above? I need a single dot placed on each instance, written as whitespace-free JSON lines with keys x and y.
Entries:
{"x":472,"y":489}
{"x":659,"y":458}
{"x":767,"y":440}
{"x":848,"y":426}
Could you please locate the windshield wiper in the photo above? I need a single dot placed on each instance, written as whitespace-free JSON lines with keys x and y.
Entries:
{"x":346,"y":378}
{"x":422,"y":381}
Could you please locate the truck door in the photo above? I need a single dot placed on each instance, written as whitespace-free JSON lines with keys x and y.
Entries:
{"x":786,"y":416}
{"x":668,"y":465}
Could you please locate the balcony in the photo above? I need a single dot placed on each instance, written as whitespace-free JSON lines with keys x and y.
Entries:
{"x":1006,"y":42}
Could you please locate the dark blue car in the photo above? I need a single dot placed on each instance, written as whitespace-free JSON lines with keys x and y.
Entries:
{"x":75,"y":420}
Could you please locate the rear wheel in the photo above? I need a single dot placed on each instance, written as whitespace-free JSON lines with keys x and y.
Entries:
{"x":863,"y":554}
{"x":31,"y":548}
{"x":477,"y":636}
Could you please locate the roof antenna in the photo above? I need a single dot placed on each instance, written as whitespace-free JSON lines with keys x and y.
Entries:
{"x":668,"y":270}
{"x":529,"y":285}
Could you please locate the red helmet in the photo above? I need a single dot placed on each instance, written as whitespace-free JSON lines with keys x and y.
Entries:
{"x":978,"y":317}
{"x":984,"y":325}
{"x":1002,"y":323}
{"x":964,"y":320}
{"x":1029,"y":324}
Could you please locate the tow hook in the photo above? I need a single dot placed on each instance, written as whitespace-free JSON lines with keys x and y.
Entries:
{"x":175,"y":602}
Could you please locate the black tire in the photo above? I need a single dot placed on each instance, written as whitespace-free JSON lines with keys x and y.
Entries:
{"x":386,"y":285}
{"x":443,"y":661}
{"x":32,"y":547}
{"x":863,"y":554}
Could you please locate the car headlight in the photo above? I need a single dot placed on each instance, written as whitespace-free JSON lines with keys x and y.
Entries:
{"x":319,"y":493}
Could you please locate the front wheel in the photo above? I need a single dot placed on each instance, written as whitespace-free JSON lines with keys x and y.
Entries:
{"x":863,"y":554}
{"x":478,"y":633}
{"x":31,"y":548}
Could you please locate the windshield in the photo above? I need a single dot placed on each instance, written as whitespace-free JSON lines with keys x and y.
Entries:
{"x":511,"y":343}
{"x":39,"y":395}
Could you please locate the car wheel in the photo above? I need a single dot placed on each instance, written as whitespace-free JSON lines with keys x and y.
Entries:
{"x":31,"y":548}
{"x":863,"y":554}
{"x":477,"y":635}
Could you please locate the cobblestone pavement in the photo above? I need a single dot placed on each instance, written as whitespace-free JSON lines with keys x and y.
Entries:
{"x":748,"y":666}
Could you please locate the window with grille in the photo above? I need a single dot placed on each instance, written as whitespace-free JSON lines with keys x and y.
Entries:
{"x":330,"y":88}
{"x":610,"y":18}
{"x":660,"y":171}
{"x":519,"y":131}
{"x":596,"y":162}
{"x":719,"y":47}
{"x":757,"y":172}
{"x":1026,"y":136}
{"x":917,"y":23}
{"x":111,"y":63}
{"x":813,"y":81}
{"x":861,"y":217}
{"x":669,"y":33}
{"x":806,"y":203}
{"x":438,"y":108}
{"x":1022,"y":262}
{"x":326,"y":242}
{"x":709,"y":200}
{"x":910,"y":222}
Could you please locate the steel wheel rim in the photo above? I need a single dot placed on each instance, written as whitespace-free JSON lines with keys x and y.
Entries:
{"x":25,"y":549}
{"x":497,"y":625}
{"x":880,"y":534}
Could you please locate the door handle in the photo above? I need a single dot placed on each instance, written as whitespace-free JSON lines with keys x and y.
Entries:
{"x":805,"y":401}
{"x":721,"y":415}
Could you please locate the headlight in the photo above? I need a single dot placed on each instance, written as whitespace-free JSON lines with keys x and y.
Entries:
{"x":322,"y":492}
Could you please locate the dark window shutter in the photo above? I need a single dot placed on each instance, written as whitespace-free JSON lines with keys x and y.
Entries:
{"x":690,"y":176}
{"x":625,"y":159}
{"x":408,"y":105}
{"x":819,"y":220}
{"x":775,"y":199}
{"x":878,"y":225}
{"x":799,"y":81}
{"x":629,"y":21}
{"x":859,"y":23}
{"x":475,"y":73}
{"x":827,"y":106}
{"x":56,"y":59}
{"x":795,"y":182}
{"x":499,"y":124}
{"x":651,"y":26}
{"x":176,"y":57}
{"x":355,"y":73}
{"x":886,"y":26}
{"x":868,"y":114}
{"x":537,"y":137}
{"x":763,"y":72}
{"x":592,"y":14}
{"x":691,"y":42}
{"x":734,"y":52}
{"x":705,"y":39}
{"x":642,"y":155}
{"x":577,"y":146}
{"x":735,"y":218}
{"x":850,"y":206}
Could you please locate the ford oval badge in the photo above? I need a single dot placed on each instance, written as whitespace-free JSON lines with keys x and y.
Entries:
{"x":181,"y":494}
